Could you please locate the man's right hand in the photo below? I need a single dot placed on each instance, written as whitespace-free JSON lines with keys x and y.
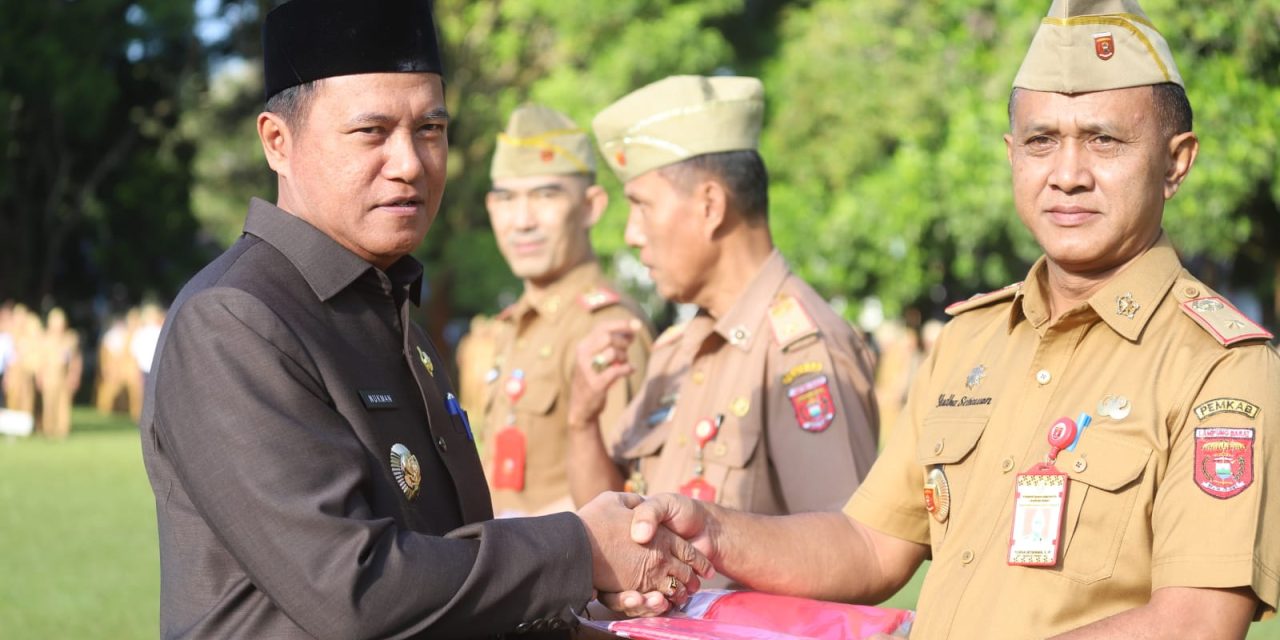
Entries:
{"x":601,"y":360}
{"x":621,"y":565}
{"x":690,"y":519}
{"x":658,"y":516}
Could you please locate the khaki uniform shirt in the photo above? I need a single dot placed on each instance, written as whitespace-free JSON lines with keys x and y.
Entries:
{"x":537,"y":340}
{"x":312,"y":475}
{"x":1149,"y":504}
{"x":779,"y":359}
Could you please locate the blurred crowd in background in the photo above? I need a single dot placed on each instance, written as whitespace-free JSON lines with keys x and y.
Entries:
{"x":44,"y":362}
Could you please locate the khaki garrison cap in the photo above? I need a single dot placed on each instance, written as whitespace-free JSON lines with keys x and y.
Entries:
{"x":1096,"y":45}
{"x":677,"y":118}
{"x":540,"y":141}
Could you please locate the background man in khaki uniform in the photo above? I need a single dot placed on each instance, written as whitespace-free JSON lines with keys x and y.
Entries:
{"x":1169,"y":522}
{"x":543,"y":204}
{"x":58,"y":374}
{"x":763,"y":401}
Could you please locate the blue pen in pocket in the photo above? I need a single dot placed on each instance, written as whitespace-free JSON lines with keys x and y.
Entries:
{"x":455,"y":409}
{"x":1081,"y":423}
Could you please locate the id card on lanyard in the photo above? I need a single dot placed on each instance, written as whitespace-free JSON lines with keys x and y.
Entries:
{"x":1040,"y":498}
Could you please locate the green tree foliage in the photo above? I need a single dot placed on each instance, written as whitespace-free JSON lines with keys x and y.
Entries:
{"x":94,"y":179}
{"x":884,"y":138}
{"x":883,"y":134}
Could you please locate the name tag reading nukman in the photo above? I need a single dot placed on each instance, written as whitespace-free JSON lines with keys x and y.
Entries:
{"x":377,"y":399}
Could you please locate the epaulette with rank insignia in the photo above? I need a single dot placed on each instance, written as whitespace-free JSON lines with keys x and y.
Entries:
{"x":982,"y":299}
{"x":790,"y":322}
{"x":598,"y":298}
{"x":670,"y":335}
{"x":1223,"y":321}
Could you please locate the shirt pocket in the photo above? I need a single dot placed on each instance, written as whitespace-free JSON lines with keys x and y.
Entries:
{"x":945,"y":443}
{"x":728,"y":467}
{"x":541,"y":392}
{"x":1100,"y":500}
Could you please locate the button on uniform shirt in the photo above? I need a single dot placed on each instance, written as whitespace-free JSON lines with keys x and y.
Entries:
{"x":311,"y":479}
{"x":1172,"y":378}
{"x":790,"y":383}
{"x":537,"y":342}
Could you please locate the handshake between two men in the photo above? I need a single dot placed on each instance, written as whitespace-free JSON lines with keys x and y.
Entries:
{"x":638,"y":568}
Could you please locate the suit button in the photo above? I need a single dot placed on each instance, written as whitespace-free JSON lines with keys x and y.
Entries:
{"x":939,"y":446}
{"x":523,"y":627}
{"x":1006,"y":465}
{"x":539,"y":625}
{"x":966,"y":556}
{"x":559,"y":623}
{"x":1080,"y":465}
{"x":441,"y":444}
{"x":1043,"y":376}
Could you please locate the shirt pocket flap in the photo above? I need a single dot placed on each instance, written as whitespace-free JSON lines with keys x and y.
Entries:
{"x":539,"y":395}
{"x":1104,"y":462}
{"x":733,"y":451}
{"x":946,"y":440}
{"x":648,"y":444}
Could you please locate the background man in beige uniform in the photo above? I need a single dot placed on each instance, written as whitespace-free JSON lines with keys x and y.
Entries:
{"x":543,"y":204}
{"x":763,"y":401}
{"x":1169,"y":520}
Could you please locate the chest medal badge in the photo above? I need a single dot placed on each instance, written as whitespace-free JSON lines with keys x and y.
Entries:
{"x":1040,"y":497}
{"x":937,"y":494}
{"x":509,"y":459}
{"x":510,"y":445}
{"x":703,"y":432}
{"x":404,"y":466}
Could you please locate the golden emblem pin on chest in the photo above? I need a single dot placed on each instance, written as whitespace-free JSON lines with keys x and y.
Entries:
{"x":426,"y":362}
{"x":404,"y":466}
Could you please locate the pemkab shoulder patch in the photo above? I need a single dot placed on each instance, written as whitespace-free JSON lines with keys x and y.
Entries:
{"x":1223,"y":321}
{"x":979,"y":300}
{"x":598,"y":298}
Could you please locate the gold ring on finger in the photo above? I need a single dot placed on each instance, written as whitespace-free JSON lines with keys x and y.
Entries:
{"x":599,"y":362}
{"x":673,"y":586}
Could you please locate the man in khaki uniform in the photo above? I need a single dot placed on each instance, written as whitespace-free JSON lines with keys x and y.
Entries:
{"x":1169,"y":520}
{"x":58,"y":374}
{"x":543,"y":204}
{"x":763,"y":401}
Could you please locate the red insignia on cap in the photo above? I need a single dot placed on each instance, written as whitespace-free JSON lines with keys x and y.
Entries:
{"x":813,"y":405}
{"x":621,"y":158}
{"x":1104,"y":45}
{"x":547,"y":155}
{"x":1224,"y":460}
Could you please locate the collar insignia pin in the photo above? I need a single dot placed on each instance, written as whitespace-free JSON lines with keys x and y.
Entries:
{"x":1126,"y":306}
{"x":426,"y":362}
{"x":975,"y":377}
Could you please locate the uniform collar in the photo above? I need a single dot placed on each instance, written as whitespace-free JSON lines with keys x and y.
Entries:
{"x":327,"y":266}
{"x":563,"y":292}
{"x":742,"y":323}
{"x":1125,"y":303}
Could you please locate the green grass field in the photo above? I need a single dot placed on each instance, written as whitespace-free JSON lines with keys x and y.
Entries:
{"x":78,"y":554}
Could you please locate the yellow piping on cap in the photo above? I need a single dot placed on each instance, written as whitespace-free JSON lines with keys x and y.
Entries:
{"x":1116,"y":22}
